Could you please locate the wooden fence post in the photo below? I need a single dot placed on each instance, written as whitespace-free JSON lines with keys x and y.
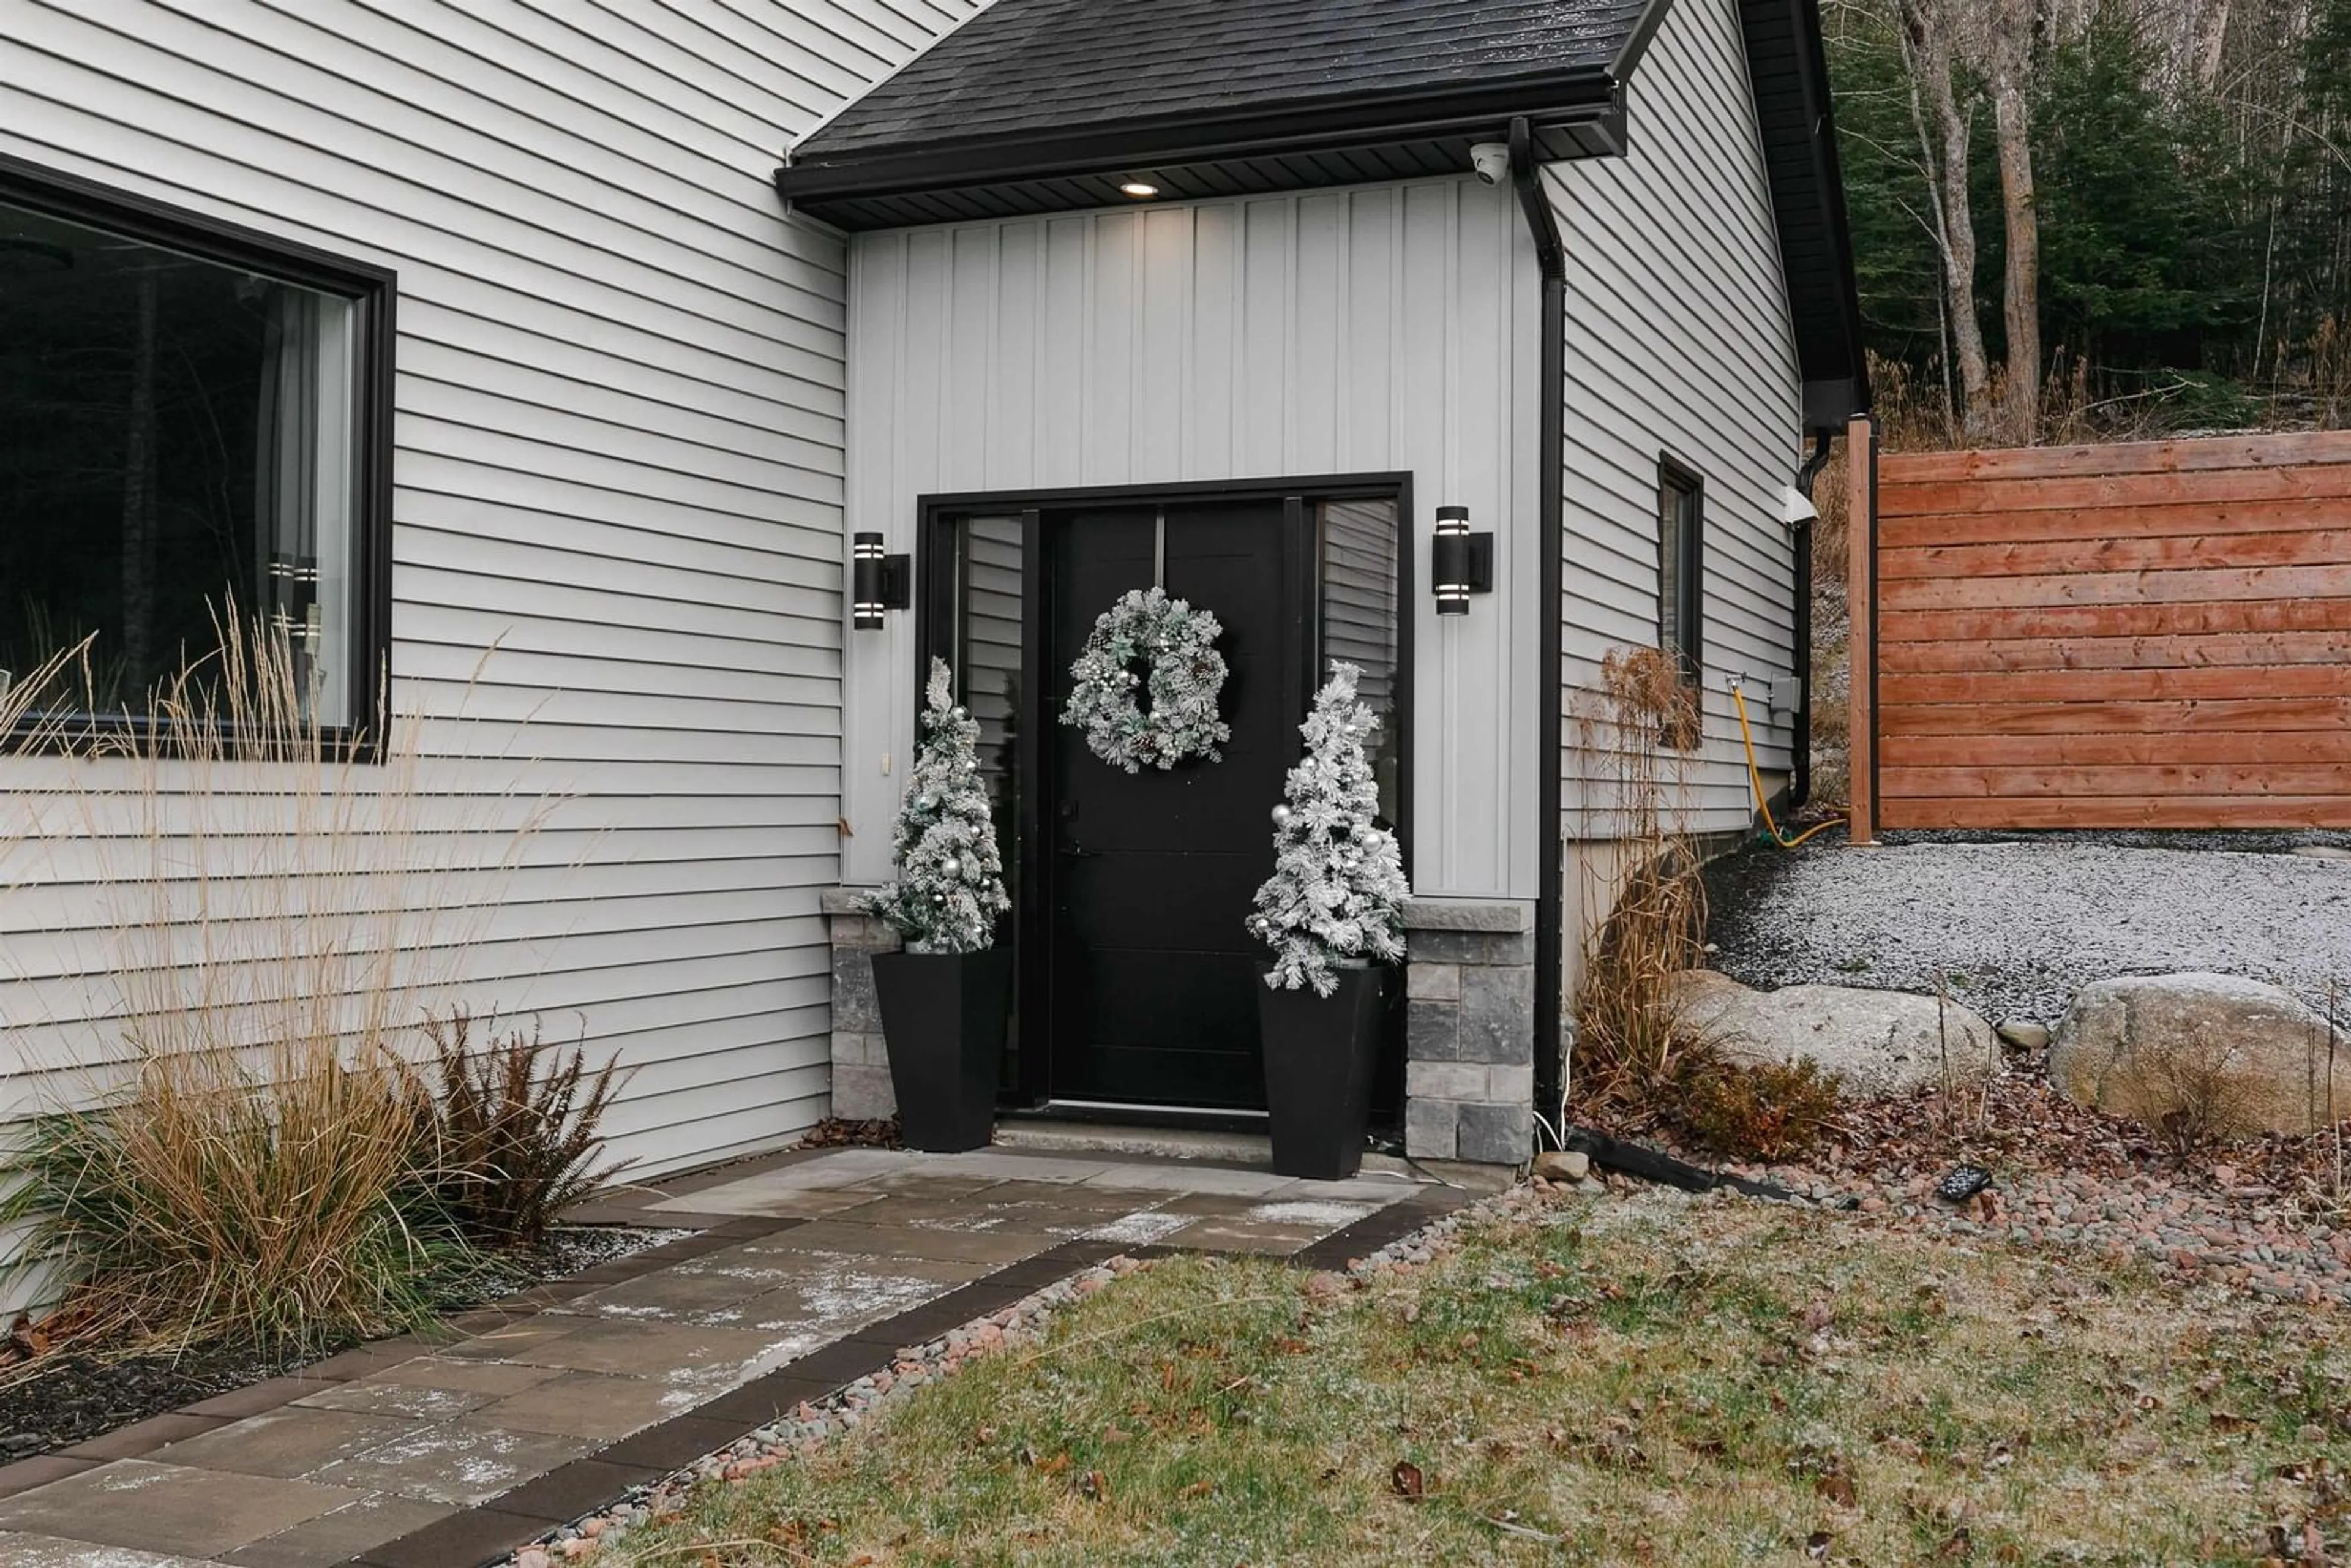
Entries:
{"x":1860,"y":597}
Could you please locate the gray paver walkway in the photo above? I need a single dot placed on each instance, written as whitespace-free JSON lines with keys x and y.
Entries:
{"x":793,"y":1257}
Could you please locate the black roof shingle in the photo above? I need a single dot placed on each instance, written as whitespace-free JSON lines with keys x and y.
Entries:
{"x":1026,"y":67}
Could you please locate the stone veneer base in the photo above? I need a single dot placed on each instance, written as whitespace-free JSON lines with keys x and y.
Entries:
{"x":1469,"y":1030}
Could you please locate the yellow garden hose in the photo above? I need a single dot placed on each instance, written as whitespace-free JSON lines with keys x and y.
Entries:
{"x":1755,"y":776}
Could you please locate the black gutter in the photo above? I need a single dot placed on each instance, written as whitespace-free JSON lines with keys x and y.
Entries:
{"x":1551,"y":453}
{"x":1586,"y":92}
{"x":1800,"y":788}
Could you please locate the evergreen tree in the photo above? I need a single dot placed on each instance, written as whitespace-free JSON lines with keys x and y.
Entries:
{"x":2129,"y":222}
{"x":1337,"y":888}
{"x":950,"y":886}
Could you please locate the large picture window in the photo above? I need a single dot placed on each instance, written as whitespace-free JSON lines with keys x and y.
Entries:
{"x":190,"y":428}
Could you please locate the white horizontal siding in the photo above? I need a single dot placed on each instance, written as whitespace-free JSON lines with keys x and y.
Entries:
{"x":618,"y":428}
{"x":1678,"y":340}
{"x":1382,"y":328}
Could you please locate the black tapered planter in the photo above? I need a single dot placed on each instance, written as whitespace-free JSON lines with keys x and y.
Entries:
{"x":1320,"y":1055}
{"x":943,"y":1022}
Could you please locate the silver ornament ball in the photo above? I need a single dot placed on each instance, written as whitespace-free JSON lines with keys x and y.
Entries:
{"x":926,"y":803}
{"x":951,"y":867}
{"x":1281,"y":816}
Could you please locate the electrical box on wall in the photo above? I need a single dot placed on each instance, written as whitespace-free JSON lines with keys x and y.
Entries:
{"x":1787,"y":694}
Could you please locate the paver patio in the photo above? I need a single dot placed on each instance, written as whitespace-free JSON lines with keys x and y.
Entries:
{"x":804,"y":1271}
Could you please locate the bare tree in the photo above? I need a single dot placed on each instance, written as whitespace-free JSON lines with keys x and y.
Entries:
{"x":1929,"y":32}
{"x":2007,"y":54}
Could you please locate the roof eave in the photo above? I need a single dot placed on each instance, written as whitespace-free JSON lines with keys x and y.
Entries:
{"x":1320,"y":126}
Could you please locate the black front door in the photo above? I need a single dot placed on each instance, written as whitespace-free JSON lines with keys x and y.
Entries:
{"x":1149,"y":970}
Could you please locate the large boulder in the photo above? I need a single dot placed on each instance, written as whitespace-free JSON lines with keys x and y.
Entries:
{"x":2204,"y":1055}
{"x":1877,"y":1044}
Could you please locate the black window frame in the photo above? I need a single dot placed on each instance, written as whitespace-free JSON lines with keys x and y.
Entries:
{"x":1677,"y":479}
{"x":374,"y":291}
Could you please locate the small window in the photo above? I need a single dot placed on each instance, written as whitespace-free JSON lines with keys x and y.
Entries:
{"x":1681,"y":566}
{"x":190,"y":425}
{"x":1357,"y":609}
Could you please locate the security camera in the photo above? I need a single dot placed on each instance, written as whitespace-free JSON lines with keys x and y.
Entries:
{"x":1493,"y":161}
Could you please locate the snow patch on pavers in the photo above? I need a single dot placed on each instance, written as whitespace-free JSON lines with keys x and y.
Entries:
{"x":1310,"y":1212}
{"x":1141,"y":1228}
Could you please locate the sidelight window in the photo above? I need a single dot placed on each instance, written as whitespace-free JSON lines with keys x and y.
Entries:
{"x":1358,"y":607}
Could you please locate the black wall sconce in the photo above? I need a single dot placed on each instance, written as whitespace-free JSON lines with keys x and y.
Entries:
{"x":877,"y":583}
{"x":1460,"y":563}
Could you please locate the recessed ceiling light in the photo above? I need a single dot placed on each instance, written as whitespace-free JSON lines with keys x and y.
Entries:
{"x":1140,"y":188}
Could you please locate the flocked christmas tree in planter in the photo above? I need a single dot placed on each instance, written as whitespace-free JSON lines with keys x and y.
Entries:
{"x":1333,"y":912}
{"x":943,"y":999}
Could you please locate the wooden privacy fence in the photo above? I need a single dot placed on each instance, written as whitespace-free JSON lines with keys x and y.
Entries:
{"x":2152,"y":635}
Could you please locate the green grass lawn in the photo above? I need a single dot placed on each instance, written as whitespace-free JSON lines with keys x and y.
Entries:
{"x":1651,"y":1379}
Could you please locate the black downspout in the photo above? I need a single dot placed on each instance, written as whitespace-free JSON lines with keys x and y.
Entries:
{"x":1551,"y":480}
{"x":1800,"y":788}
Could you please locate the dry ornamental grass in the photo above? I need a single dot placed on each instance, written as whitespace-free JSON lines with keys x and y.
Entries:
{"x":233,"y":1143}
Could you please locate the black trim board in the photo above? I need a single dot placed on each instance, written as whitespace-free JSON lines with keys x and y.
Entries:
{"x":374,"y":290}
{"x":1788,"y":61}
{"x":1327,"y":124}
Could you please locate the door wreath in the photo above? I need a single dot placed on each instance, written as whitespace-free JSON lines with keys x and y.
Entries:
{"x":1184,"y":674}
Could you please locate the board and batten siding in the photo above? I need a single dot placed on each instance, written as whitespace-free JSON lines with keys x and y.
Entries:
{"x":618,"y":434}
{"x":1380,"y":328}
{"x":1678,"y":340}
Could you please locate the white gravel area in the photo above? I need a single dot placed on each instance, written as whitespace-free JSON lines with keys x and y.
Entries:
{"x":2015,"y":928}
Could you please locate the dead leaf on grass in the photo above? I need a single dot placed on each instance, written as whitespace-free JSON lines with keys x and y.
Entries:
{"x":1816,"y":1545}
{"x":2230,"y":1421}
{"x":1408,"y":1480}
{"x":1095,"y":1485}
